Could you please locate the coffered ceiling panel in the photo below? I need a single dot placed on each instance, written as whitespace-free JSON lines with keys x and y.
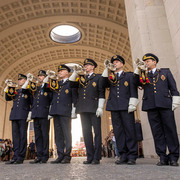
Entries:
{"x":25,"y":44}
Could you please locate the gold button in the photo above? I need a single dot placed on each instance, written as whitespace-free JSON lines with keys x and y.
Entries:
{"x":154,"y":84}
{"x":118,"y":92}
{"x":57,"y":97}
{"x":84,"y":90}
{"x":117,"y":96}
{"x":18,"y":99}
{"x":18,"y":102}
{"x":153,"y":78}
{"x":154,"y":87}
{"x":153,"y":81}
{"x":154,"y":91}
{"x":58,"y":93}
{"x":37,"y":101}
{"x":118,"y":85}
{"x":117,"y":88}
{"x":84,"y":97}
{"x":57,"y":101}
{"x":84,"y":94}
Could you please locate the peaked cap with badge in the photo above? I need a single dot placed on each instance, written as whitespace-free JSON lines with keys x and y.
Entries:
{"x":63,"y":67}
{"x":150,"y":56}
{"x":90,"y":61}
{"x":119,"y":58}
{"x":21,"y":76}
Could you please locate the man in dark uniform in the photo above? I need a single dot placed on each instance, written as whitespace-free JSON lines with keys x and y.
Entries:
{"x":91,"y":99}
{"x":122,"y":102}
{"x":18,"y":116}
{"x":160,"y":99}
{"x":61,"y":107}
{"x":40,"y":111}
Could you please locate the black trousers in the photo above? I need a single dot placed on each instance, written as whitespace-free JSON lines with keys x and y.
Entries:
{"x":63,"y":137}
{"x":41,"y":129}
{"x":164,"y":132}
{"x":19,"y":136}
{"x":124,"y":131}
{"x":93,"y":148}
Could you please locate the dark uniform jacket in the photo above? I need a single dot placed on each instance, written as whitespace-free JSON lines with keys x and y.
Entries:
{"x":41,"y":103}
{"x":121,"y":92}
{"x":89,"y":93}
{"x":160,"y":90}
{"x":63,"y":99}
{"x":21,"y":105}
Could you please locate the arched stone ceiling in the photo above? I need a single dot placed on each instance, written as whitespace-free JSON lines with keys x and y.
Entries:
{"x":25,"y":45}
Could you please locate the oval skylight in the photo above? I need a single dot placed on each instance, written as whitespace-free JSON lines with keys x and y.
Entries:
{"x":65,"y":34}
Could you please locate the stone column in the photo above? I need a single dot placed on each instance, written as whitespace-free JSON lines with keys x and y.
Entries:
{"x":149,"y":32}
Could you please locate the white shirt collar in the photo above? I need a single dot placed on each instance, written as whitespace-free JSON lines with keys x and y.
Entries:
{"x":153,"y":70}
{"x":119,"y":73}
{"x":90,"y":74}
{"x":64,"y":80}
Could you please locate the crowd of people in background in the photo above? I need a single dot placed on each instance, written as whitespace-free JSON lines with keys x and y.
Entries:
{"x":109,"y":148}
{"x":6,"y":151}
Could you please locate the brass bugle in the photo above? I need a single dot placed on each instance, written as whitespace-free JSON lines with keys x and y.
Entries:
{"x":109,"y":65}
{"x":32,"y":78}
{"x":52,"y":74}
{"x":80,"y":70}
{"x":10,"y":83}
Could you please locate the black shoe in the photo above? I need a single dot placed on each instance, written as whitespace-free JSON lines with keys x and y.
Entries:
{"x":10,"y":162}
{"x":35,"y":161}
{"x":87,"y":162}
{"x":131,"y":162}
{"x":121,"y":161}
{"x":65,"y":161}
{"x":162,"y":163}
{"x":95,"y":161}
{"x":173,"y":163}
{"x":18,"y":162}
{"x":58,"y":160}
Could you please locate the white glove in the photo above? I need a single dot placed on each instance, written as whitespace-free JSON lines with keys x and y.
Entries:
{"x":46,"y":79}
{"x":105,"y":72}
{"x":99,"y":111}
{"x":136,"y":71}
{"x":29,"y":116}
{"x":74,"y":75}
{"x":49,"y":117}
{"x":24,"y":86}
{"x":5,"y":89}
{"x":175,"y":102}
{"x":73,"y":112}
{"x":133,"y":102}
